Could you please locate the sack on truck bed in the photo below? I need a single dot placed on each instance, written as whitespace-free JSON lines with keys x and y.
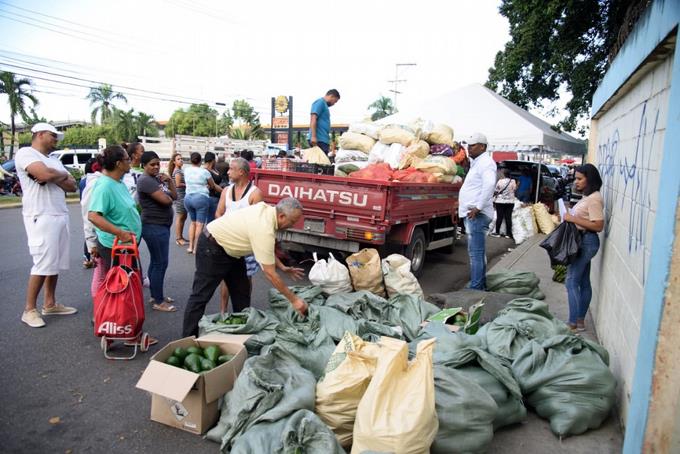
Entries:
{"x":354,"y":141}
{"x":397,"y":134}
{"x":315,"y":155}
{"x":397,"y":412}
{"x":438,"y":164}
{"x":371,"y":130}
{"x":343,"y":155}
{"x":567,"y":380}
{"x":366,"y":271}
{"x":441,"y":134}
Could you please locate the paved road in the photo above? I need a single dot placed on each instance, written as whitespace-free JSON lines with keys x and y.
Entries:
{"x":59,"y":371}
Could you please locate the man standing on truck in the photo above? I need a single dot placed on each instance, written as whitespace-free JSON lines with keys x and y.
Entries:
{"x":476,"y":206}
{"x":320,"y":120}
{"x":44,"y":181}
{"x":220,"y":257}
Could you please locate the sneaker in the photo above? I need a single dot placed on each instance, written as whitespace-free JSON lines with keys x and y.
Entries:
{"x":495,"y":235}
{"x":59,"y":309}
{"x":33,"y":319}
{"x":580,"y":326}
{"x":147,"y":282}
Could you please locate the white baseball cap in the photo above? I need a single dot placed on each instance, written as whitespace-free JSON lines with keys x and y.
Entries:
{"x":40,"y":127}
{"x":477,"y":137}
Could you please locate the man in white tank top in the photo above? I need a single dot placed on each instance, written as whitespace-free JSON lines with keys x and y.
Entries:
{"x":240,"y":194}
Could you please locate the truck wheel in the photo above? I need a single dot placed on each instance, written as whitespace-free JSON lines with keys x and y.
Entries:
{"x":415,"y":251}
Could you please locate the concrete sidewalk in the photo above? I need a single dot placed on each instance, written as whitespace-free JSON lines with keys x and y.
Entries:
{"x":535,"y":436}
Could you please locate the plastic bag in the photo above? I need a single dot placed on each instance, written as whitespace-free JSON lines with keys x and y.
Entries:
{"x":315,"y":155}
{"x":397,"y":134}
{"x":441,"y":150}
{"x":371,"y":130}
{"x":397,"y":413}
{"x":543,"y":218}
{"x":366,"y":271}
{"x":438,"y":164}
{"x":562,"y":244}
{"x":354,"y":141}
{"x":399,"y":280}
{"x":348,"y":373}
{"x":332,"y":276}
{"x":441,"y":134}
{"x":302,"y":431}
{"x":378,"y":171}
{"x":567,"y":380}
{"x":343,"y":155}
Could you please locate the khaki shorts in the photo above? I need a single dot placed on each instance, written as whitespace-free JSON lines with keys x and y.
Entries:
{"x":48,"y":243}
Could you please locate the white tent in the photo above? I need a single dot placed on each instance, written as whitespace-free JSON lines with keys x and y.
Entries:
{"x":475,"y":108}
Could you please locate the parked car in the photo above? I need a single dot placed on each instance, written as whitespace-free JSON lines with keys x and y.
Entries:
{"x":549,"y":188}
{"x":74,"y":158}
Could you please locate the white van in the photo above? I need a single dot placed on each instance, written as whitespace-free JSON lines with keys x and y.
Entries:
{"x":74,"y":158}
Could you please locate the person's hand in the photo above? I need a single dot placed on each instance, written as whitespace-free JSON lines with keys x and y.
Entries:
{"x":473,"y":213}
{"x":94,"y":252}
{"x":313,"y":141}
{"x":568,"y":217}
{"x":125,"y":237}
{"x":295,"y":273}
{"x":300,"y":306}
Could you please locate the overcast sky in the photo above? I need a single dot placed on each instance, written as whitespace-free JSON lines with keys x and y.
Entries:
{"x":197,"y":50}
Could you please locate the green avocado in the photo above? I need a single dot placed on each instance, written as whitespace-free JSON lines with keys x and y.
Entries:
{"x":212,"y":352}
{"x":207,"y":364}
{"x":193,"y":362}
{"x":196,"y":350}
{"x":181,"y":353}
{"x":174,"y":361}
{"x":224,"y":359}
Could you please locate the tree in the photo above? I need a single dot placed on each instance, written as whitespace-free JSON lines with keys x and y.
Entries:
{"x":102,"y":98}
{"x":556,"y":46}
{"x":125,"y":124}
{"x":146,"y":125}
{"x":382,"y":107}
{"x":245,"y":122}
{"x":88,"y":136}
{"x":18,"y":93}
{"x":197,"y":120}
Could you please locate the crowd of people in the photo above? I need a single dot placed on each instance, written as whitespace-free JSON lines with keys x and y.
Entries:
{"x":125,"y":197}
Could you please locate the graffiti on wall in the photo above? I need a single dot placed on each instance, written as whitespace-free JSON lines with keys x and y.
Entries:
{"x":625,"y":174}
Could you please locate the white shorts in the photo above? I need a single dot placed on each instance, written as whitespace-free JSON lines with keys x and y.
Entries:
{"x":48,"y":243}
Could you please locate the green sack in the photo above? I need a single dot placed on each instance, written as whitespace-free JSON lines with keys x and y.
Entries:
{"x":466,"y":354}
{"x":301,"y":432}
{"x":567,"y":380}
{"x":522,"y":320}
{"x":524,"y":283}
{"x":269,"y":388}
{"x":260,"y":324}
{"x":465,"y":412}
{"x":280,"y":306}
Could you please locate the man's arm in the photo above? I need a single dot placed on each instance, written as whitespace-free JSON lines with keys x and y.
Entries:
{"x":273,"y":277}
{"x":255,"y":197}
{"x":312,"y":127}
{"x":221,"y":205}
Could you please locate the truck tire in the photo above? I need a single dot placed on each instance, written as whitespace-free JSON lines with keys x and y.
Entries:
{"x":415,"y":251}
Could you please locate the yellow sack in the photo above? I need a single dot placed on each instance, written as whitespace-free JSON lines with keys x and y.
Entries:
{"x":397,"y":413}
{"x":543,"y":219}
{"x":397,"y":134}
{"x":366,"y":271}
{"x":315,"y":155}
{"x":348,"y":373}
{"x":399,"y":280}
{"x":441,"y":134}
{"x":356,"y":141}
{"x":438,"y":164}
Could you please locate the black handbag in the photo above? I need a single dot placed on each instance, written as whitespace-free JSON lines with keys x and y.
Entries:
{"x":563,"y":244}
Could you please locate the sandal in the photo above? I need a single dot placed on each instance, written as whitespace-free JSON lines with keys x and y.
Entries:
{"x":181,"y":242}
{"x":165,"y":306}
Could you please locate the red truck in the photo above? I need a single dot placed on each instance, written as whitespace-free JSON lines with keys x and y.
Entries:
{"x":348,"y":214}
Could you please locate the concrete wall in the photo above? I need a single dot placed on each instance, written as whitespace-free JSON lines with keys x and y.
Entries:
{"x":627,"y":150}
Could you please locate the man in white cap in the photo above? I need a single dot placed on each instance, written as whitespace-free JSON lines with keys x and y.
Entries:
{"x":475,"y":206}
{"x":44,"y":182}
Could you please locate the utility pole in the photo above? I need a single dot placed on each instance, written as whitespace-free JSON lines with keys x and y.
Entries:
{"x":397,"y":81}
{"x":221,"y":104}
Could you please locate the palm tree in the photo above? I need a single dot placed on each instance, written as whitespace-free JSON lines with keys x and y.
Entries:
{"x":103,"y":96}
{"x":383,"y":107}
{"x":17,"y":91}
{"x":145,"y":124}
{"x":125,"y":124}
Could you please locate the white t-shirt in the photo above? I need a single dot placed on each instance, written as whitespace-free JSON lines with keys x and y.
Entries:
{"x":39,"y":199}
{"x":478,"y":187}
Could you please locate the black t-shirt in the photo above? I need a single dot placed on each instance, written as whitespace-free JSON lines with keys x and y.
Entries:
{"x":152,"y":211}
{"x":217,"y":178}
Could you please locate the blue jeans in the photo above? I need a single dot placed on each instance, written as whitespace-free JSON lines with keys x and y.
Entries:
{"x":157,"y":238}
{"x":578,"y":286}
{"x":197,"y":206}
{"x":477,"y":230}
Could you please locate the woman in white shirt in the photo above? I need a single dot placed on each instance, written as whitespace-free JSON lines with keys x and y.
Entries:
{"x":504,"y":202}
{"x":197,"y":198}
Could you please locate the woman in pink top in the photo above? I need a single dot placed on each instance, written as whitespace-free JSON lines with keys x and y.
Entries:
{"x":588,"y":216}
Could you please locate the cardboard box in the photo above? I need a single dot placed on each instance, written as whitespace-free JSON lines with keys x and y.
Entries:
{"x":186,"y":400}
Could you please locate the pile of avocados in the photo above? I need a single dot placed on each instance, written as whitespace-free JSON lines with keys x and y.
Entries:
{"x":197,"y":359}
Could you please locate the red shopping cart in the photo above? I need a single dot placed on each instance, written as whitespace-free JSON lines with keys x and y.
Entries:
{"x":119,"y":302}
